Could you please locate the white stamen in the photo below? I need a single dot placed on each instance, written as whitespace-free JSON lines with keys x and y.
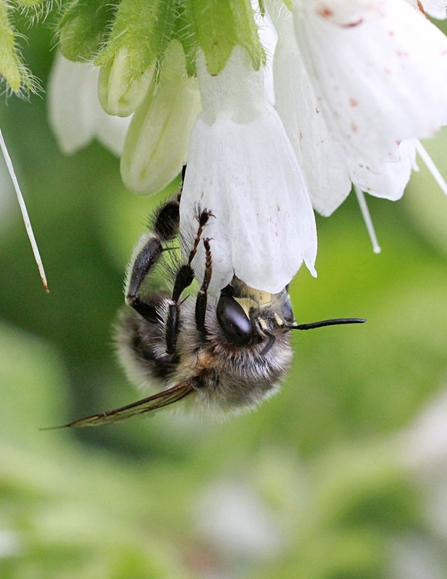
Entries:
{"x":422,"y":151}
{"x":25,"y":216}
{"x":367,"y":218}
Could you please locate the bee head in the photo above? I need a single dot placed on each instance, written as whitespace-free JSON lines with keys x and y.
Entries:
{"x":248,"y":316}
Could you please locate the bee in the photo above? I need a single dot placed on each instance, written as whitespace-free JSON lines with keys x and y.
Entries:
{"x":221,"y":354}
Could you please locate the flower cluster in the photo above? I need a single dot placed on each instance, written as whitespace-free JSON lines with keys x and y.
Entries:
{"x":355,"y":84}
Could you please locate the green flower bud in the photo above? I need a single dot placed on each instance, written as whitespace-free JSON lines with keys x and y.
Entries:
{"x":139,"y":36}
{"x":11,"y":66}
{"x":157,"y":140}
{"x":83,"y":28}
{"x":144,"y":29}
{"x":119,"y":92}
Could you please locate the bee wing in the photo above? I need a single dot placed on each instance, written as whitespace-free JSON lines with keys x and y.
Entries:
{"x":155,"y":402}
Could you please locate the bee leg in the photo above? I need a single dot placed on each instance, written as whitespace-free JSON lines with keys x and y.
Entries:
{"x":183,"y":279}
{"x":202,"y":295}
{"x":146,"y":254}
{"x":179,"y":196}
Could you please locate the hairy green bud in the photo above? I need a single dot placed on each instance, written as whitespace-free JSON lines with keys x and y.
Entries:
{"x":12,"y":68}
{"x":83,"y":28}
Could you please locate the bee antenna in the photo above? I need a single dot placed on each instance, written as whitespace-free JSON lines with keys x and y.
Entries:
{"x":333,"y":322}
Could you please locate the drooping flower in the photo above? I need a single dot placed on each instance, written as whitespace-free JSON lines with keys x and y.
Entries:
{"x":75,"y":114}
{"x":241,"y":166}
{"x":329,"y":168}
{"x":378,"y":70}
{"x":356,"y":83}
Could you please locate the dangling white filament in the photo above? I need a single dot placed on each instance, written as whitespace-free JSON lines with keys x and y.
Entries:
{"x":422,"y":151}
{"x":368,"y":221}
{"x":24,"y":211}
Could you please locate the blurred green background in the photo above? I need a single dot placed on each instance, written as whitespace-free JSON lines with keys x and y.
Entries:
{"x":328,"y":480}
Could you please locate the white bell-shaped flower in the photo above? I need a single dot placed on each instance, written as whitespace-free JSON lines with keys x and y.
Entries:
{"x":328,"y":168}
{"x":75,"y":114}
{"x":242,"y":168}
{"x":379,"y":72}
{"x":320,"y":156}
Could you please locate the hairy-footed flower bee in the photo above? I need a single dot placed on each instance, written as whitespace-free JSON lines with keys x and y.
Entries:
{"x":224,"y":353}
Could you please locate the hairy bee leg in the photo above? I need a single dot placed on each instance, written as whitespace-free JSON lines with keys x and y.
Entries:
{"x":202,"y":295}
{"x":183,"y":279}
{"x":148,"y":253}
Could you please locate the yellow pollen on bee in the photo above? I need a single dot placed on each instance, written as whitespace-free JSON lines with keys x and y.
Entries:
{"x":279,"y":321}
{"x":260,"y":297}
{"x":206,"y":360}
{"x":247,"y":304}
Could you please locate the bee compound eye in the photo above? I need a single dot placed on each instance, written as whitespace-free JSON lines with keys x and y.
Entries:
{"x":233,"y":321}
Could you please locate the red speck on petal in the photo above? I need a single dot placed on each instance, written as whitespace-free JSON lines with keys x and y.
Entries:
{"x":421,"y":8}
{"x":353,"y":102}
{"x":317,"y":111}
{"x":401,"y":53}
{"x":325,"y":12}
{"x":352,"y":24}
{"x":354,"y":127}
{"x":391,"y":32}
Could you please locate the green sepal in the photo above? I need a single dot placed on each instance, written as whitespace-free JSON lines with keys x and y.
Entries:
{"x":144,"y":28}
{"x":83,"y":28}
{"x":221,"y":25}
{"x":12,"y":68}
{"x":185,"y":35}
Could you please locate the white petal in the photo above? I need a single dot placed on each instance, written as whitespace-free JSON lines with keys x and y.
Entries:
{"x":380,"y":79}
{"x":436,"y":8}
{"x":242,"y":168}
{"x":111,"y":131}
{"x":157,"y":141}
{"x":268,"y":37}
{"x":344,"y":13}
{"x":75,"y":114}
{"x":321,"y":158}
{"x":71,"y":91}
{"x":389,"y":179}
